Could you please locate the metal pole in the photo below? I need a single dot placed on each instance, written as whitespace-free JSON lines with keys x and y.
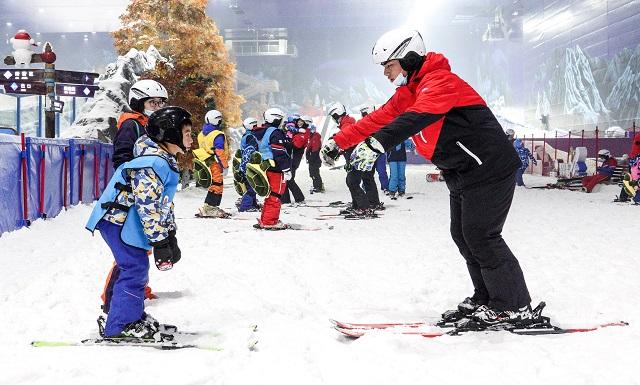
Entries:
{"x":25,"y":184}
{"x":568,"y":147}
{"x":544,"y":151}
{"x":57,"y":117}
{"x":18,"y":115}
{"x":81,"y":182}
{"x":96,"y":172}
{"x":597,"y":147}
{"x":531,"y":163}
{"x":106,"y":172}
{"x":555,"y":149}
{"x":72,"y":154}
{"x":64,"y":188}
{"x":43,"y":151}
{"x":39,"y":130}
{"x":49,"y":114}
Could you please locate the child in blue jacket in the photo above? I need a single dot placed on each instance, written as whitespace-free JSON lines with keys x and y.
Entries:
{"x":397,"y":159}
{"x":135,"y":215}
{"x":524,"y":155}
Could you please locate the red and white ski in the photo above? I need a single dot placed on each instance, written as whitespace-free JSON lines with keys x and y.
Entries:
{"x":544,"y":328}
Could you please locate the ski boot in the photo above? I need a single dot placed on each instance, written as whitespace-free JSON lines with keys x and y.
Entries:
{"x":208,"y":211}
{"x":486,"y":318}
{"x":162,"y":328}
{"x":463,"y":311}
{"x":362,"y":214}
{"x":276,"y":226}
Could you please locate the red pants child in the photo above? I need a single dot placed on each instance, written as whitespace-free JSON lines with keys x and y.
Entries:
{"x":589,"y":182}
{"x":271,"y":208}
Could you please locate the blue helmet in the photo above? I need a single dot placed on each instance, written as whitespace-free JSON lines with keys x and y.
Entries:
{"x":293,"y":118}
{"x":517,"y":143}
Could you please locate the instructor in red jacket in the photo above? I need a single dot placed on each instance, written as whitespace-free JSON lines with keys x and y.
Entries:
{"x":452,"y":126}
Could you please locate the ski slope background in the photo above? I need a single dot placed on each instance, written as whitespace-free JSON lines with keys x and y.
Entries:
{"x":578,"y":252}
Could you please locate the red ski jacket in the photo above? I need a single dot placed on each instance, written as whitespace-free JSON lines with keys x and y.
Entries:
{"x":315,"y":142}
{"x":449,"y":122}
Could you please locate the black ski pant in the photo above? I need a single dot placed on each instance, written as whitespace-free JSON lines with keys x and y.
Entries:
{"x":291,"y":184}
{"x":362,"y":199}
{"x":314,"y":173}
{"x":477,"y":216}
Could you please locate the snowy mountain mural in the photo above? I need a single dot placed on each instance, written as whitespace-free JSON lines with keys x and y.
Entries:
{"x":624,"y":98}
{"x":565,"y":85}
{"x":574,"y":89}
{"x":98,"y":118}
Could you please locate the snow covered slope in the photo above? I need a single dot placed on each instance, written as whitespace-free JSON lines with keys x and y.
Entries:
{"x":577,"y":251}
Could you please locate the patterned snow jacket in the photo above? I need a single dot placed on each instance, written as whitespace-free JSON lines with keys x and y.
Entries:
{"x":146,"y":194}
{"x":524,"y":154}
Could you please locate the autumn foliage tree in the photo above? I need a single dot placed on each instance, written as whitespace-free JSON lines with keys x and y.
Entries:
{"x":199,"y":75}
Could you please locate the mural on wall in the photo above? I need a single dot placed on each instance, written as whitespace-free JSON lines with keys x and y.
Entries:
{"x":577,"y":66}
{"x":571,"y":88}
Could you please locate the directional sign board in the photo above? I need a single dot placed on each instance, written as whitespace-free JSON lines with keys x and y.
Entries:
{"x":14,"y":74}
{"x":76,"y":77}
{"x":24,"y":88}
{"x":86,"y":91}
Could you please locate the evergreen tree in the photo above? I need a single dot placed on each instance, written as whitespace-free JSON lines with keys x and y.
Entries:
{"x":199,"y":75}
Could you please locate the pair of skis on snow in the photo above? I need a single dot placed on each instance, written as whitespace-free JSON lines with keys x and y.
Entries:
{"x":539,"y":326}
{"x":167,"y":341}
{"x":288,"y":226}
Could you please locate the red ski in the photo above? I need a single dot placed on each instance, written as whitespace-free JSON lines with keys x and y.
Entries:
{"x":543,"y":328}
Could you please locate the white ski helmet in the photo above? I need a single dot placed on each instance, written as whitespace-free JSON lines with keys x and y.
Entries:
{"x":396,"y":44}
{"x":250,"y":123}
{"x":213,"y":117}
{"x":364,"y":111}
{"x":604,"y":153}
{"x":274,"y":116}
{"x":336,"y":109}
{"x":307,"y":119}
{"x":145,"y":89}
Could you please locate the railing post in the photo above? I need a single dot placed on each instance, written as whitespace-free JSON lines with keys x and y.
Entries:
{"x":39,"y":130}
{"x":106,"y":172}
{"x":18,"y":125}
{"x":72,"y":155}
{"x":96,"y":171}
{"x":24,"y":154}
{"x":597,"y":148}
{"x":531,"y":163}
{"x":544,"y":151}
{"x":568,"y":147}
{"x":555,"y":155}
{"x":64,"y":178}
{"x":43,"y":149}
{"x":81,"y":183}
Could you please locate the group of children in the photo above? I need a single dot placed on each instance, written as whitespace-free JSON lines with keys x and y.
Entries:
{"x":135,"y":212}
{"x":135,"y":216}
{"x":365,"y":200}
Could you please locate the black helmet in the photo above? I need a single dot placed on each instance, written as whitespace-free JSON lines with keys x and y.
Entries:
{"x":165,"y":125}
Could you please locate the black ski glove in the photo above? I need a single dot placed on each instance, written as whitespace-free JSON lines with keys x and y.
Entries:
{"x":173,"y":241}
{"x":163,"y":254}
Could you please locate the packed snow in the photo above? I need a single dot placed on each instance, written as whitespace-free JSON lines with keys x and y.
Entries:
{"x":577,"y":251}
